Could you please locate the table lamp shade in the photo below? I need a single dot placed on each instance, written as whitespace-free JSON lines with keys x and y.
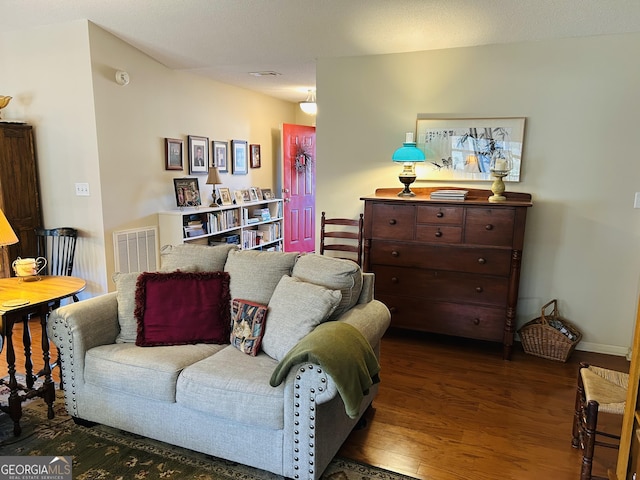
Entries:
{"x":408,"y":152}
{"x":213,"y":179}
{"x":7,"y":235}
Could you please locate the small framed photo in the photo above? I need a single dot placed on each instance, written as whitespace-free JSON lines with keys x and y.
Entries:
{"x":267,"y":194}
{"x":198,"y":155}
{"x":237,"y":194}
{"x":224,"y":194}
{"x":255,"y":155}
{"x":246,"y":195}
{"x":173,"y":149}
{"x":258,"y":193}
{"x":239,"y":157}
{"x":187,"y":192}
{"x":220,"y":150}
{"x":253,"y":194}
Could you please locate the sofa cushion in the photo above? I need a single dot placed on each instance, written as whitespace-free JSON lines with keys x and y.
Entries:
{"x":332,"y":273}
{"x":295,"y":309}
{"x":178,"y":308}
{"x":187,"y":256}
{"x":255,"y":274}
{"x":235,"y":386}
{"x":247,"y":325}
{"x":126,"y":297}
{"x":146,"y":372}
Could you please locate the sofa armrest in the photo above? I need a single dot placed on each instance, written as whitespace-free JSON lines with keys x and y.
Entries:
{"x":371,"y":319}
{"x":77,"y":327}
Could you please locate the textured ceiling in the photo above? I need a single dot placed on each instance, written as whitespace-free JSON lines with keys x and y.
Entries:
{"x":227,"y":39}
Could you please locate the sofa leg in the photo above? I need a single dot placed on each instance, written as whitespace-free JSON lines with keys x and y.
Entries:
{"x":83,"y":423}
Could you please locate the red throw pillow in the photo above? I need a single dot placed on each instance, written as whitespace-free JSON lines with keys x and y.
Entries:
{"x":180,"y":308}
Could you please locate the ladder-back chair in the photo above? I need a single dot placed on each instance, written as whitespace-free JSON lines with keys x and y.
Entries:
{"x":342,"y":235}
{"x":58,"y":246}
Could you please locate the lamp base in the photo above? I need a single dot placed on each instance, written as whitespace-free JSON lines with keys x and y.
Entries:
{"x":497,"y":187}
{"x":407,"y":180}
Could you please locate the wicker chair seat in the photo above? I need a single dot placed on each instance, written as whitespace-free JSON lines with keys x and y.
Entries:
{"x":607,"y":387}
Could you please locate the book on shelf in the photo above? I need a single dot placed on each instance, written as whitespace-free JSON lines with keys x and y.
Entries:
{"x":449,"y":194}
{"x":264,"y":214}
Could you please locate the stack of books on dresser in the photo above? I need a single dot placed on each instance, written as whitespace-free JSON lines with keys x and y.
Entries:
{"x":449,"y":194}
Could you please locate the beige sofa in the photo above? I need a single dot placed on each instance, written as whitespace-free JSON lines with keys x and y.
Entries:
{"x":288,"y":409}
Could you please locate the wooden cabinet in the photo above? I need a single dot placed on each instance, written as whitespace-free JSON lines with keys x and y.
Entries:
{"x":448,"y":267}
{"x":255,"y":225}
{"x":627,"y":467}
{"x":19,"y":191}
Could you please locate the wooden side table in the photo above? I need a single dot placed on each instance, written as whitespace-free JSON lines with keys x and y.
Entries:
{"x":20,"y":299}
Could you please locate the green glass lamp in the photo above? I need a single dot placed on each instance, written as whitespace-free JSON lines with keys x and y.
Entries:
{"x":408,"y":154}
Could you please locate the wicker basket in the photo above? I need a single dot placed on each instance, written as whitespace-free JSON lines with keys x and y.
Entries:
{"x":542,"y":340}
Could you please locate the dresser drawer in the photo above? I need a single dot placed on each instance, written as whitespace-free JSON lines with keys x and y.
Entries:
{"x":439,"y":234}
{"x":471,"y":321}
{"x":489,"y":226}
{"x":440,"y":214}
{"x":441,"y":285}
{"x":488,"y":261}
{"x":395,"y":222}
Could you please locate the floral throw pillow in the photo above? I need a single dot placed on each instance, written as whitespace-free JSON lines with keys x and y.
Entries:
{"x":247,"y":325}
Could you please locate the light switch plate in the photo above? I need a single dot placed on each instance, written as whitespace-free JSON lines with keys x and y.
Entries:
{"x":82,"y":189}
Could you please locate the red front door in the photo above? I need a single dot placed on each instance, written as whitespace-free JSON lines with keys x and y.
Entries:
{"x":299,"y":187}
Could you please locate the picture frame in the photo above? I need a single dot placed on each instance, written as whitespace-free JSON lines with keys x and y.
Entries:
{"x":246,"y":195}
{"x":220,"y":156}
{"x":198,"y":155}
{"x":187,"y":192}
{"x":237,"y":194}
{"x":254,"y":153}
{"x":459,"y":149}
{"x":224,"y":194}
{"x":174,"y":154}
{"x":267,"y":194}
{"x":239,"y":158}
{"x":258,"y":193}
{"x":253,"y":194}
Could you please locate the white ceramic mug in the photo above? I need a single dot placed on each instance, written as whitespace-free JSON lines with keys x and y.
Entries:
{"x":28,"y":267}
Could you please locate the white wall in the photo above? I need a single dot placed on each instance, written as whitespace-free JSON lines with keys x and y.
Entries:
{"x":580,"y":100}
{"x":90,"y":129}
{"x":48,"y":72}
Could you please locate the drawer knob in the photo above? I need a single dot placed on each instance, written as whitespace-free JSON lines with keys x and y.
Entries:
{"x":439,"y":214}
{"x":488,"y":227}
{"x":482,"y":261}
{"x":476,"y":321}
{"x":393,"y":309}
{"x":392,"y":221}
{"x":479,"y":289}
{"x":438,"y":234}
{"x":395,"y":253}
{"x":394,"y":279}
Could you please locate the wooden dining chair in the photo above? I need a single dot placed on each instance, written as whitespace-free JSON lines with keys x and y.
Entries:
{"x":600,"y":390}
{"x":342,"y":235}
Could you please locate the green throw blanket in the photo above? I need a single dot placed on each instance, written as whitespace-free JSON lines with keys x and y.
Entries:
{"x":342,"y":351}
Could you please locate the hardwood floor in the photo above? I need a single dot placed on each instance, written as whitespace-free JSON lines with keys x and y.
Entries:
{"x":452,"y":409}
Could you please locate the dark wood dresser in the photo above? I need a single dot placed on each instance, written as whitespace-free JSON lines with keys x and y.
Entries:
{"x":448,"y":267}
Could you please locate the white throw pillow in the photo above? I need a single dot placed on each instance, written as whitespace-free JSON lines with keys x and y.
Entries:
{"x":126,"y":296}
{"x":295,"y":309}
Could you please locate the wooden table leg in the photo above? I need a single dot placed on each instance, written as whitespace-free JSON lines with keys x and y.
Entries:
{"x":49,"y":393}
{"x":15,"y":404}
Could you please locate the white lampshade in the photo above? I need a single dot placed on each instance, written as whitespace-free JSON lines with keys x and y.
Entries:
{"x":309,"y":106}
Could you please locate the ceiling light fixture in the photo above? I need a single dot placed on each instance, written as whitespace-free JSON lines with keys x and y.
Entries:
{"x":267,"y":73}
{"x":309,"y":106}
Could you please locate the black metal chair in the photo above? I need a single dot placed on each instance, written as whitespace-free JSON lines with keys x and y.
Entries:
{"x":344,"y":234}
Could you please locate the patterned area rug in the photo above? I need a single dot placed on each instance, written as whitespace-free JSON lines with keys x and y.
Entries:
{"x":104,"y":453}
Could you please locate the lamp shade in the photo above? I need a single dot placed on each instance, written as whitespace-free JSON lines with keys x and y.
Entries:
{"x":213,"y":178}
{"x":309,"y":106}
{"x":7,"y":235}
{"x":408,"y":152}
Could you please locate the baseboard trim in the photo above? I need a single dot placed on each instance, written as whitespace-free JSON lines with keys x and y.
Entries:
{"x":603,"y":348}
